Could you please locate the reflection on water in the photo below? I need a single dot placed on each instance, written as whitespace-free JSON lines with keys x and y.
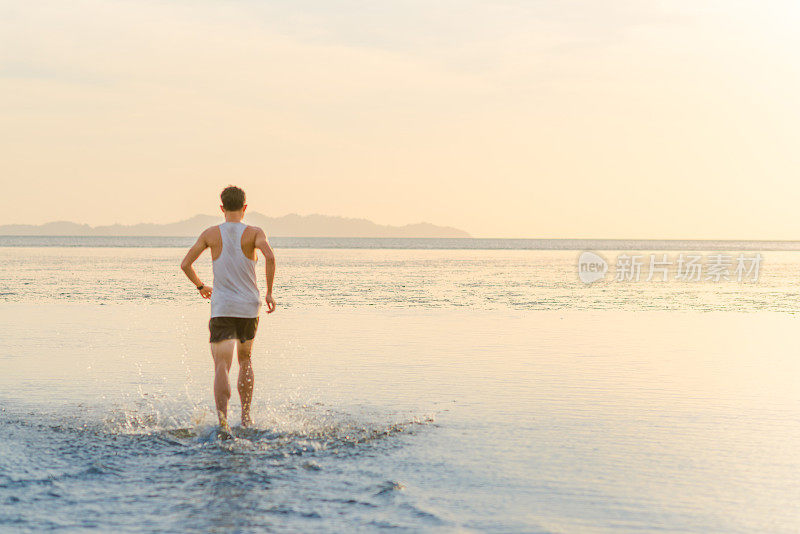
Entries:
{"x":417,"y":419}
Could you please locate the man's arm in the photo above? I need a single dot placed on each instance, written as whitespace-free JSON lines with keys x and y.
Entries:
{"x":269,"y":258}
{"x":190,"y":258}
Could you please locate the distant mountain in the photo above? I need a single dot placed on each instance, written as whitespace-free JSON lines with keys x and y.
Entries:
{"x":291,"y":225}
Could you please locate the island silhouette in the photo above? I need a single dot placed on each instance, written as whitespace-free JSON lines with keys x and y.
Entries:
{"x":291,"y":225}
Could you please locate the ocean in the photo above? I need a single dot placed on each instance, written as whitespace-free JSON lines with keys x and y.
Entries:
{"x":403,"y":385}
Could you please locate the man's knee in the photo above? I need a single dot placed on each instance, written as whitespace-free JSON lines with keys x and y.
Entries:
{"x":243,"y":350}
{"x":222,"y":366}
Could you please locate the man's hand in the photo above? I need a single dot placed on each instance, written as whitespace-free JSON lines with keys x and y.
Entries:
{"x":206,"y":292}
{"x":270,"y":303}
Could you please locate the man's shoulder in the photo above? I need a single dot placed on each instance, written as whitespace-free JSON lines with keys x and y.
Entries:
{"x":256,"y":235}
{"x":210,"y":232}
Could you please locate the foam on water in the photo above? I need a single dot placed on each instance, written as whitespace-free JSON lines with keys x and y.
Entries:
{"x":75,"y":470}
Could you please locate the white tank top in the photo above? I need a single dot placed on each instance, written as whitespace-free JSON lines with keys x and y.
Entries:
{"x":235,"y":292}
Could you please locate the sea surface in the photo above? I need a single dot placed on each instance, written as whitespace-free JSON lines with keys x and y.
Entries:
{"x":401,"y":385}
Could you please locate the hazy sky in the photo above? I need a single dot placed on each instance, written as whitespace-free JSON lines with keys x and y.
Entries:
{"x":576,"y":118}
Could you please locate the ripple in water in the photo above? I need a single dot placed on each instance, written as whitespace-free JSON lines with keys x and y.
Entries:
{"x":297,"y":467}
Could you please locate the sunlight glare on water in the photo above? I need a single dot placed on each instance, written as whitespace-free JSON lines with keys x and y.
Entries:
{"x":389,"y":413}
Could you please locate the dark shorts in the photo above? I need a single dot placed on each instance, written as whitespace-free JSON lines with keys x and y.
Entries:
{"x":241,"y":328}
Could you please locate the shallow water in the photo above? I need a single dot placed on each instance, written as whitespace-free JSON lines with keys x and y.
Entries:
{"x":382,"y":414}
{"x":380,"y":278}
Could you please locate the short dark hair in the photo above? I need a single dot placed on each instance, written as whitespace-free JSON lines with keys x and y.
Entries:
{"x":232,"y":198}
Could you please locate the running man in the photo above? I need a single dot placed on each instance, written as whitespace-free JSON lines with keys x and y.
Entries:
{"x":235,"y":301}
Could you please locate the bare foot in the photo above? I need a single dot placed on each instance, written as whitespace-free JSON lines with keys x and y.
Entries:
{"x":223,"y":422}
{"x":246,"y":419}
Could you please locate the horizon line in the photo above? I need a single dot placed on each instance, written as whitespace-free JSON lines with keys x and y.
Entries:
{"x":592,"y":239}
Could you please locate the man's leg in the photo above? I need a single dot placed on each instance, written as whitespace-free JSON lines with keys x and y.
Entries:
{"x":245,"y":383}
{"x":222,"y":352}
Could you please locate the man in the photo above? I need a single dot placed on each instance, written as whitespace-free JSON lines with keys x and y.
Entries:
{"x":235,"y":300}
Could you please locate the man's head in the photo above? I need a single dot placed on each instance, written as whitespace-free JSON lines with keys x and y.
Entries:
{"x":233,"y":199}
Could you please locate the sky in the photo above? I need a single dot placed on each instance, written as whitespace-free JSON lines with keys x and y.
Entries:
{"x":542,"y":119}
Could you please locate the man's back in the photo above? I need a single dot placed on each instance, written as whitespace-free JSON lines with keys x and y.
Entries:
{"x":213,"y":237}
{"x":235,"y":289}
